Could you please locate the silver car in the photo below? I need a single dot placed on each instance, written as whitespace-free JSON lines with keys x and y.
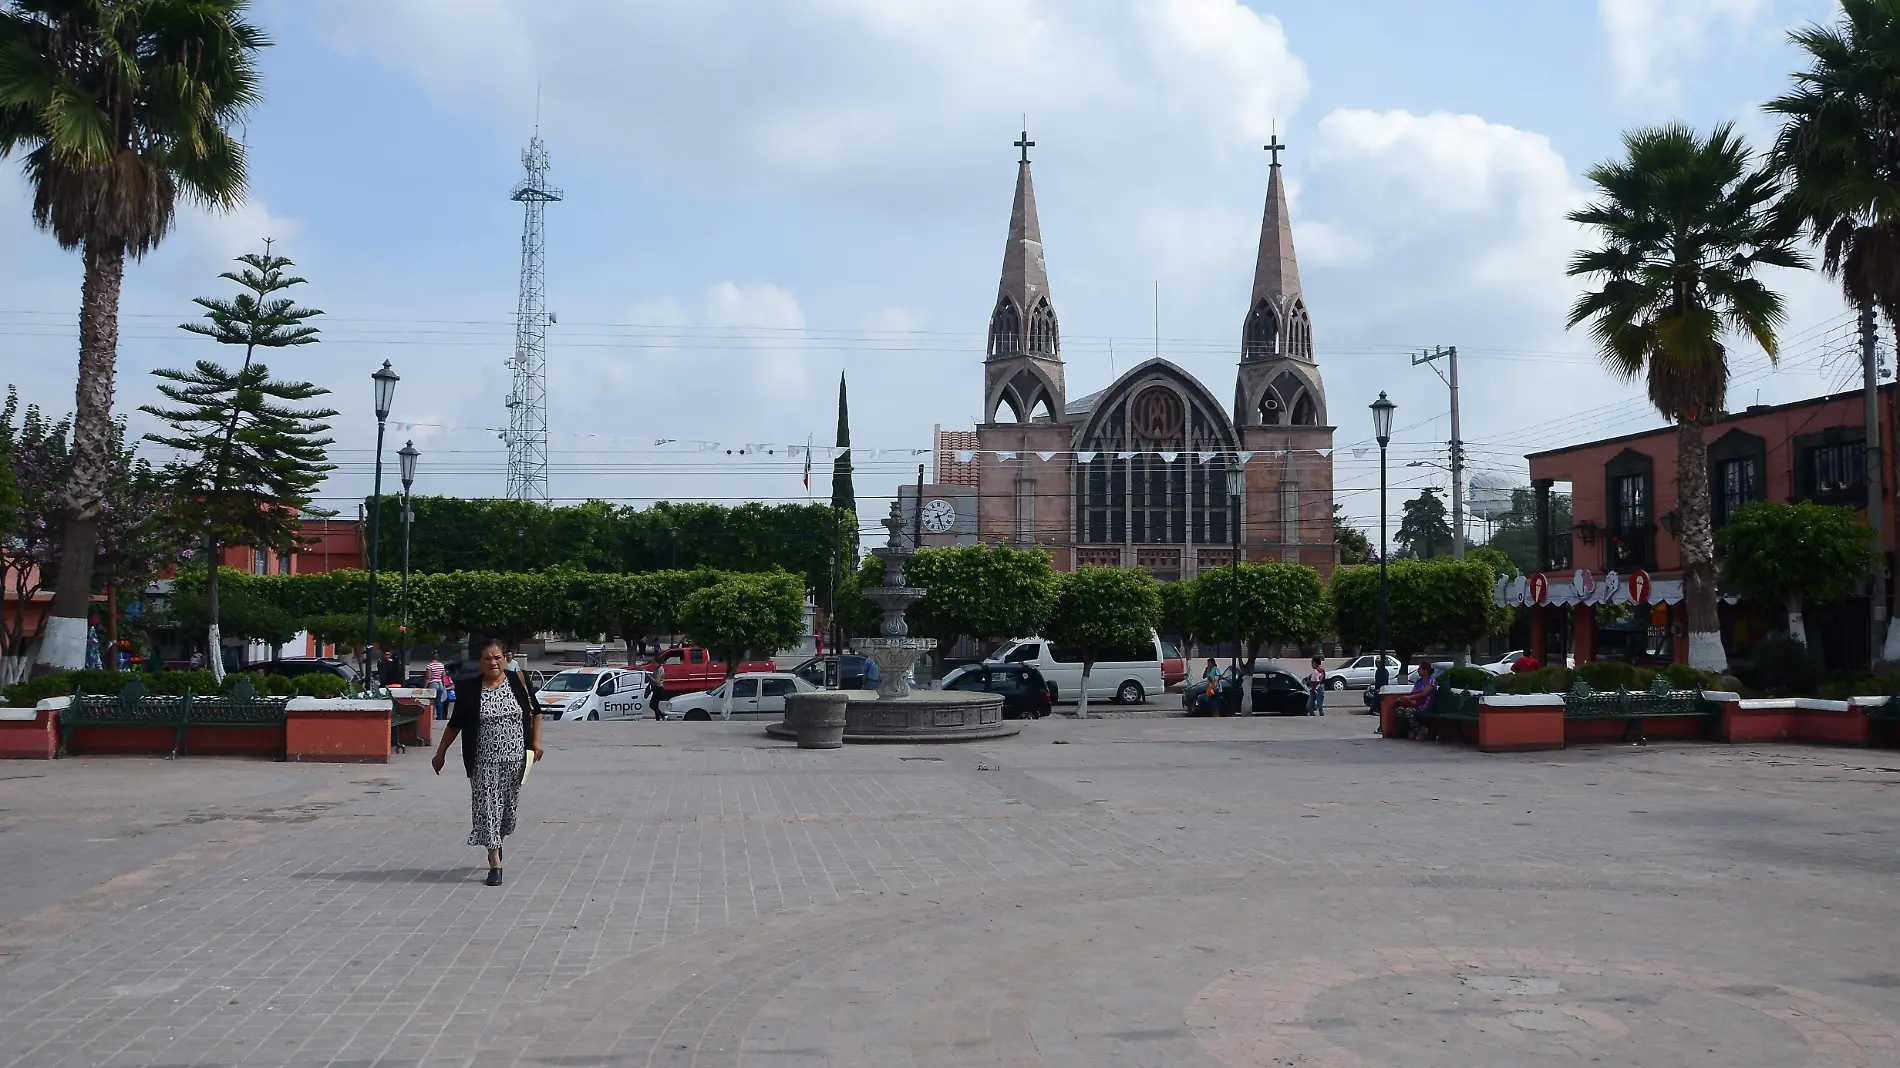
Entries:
{"x":1361,"y":672}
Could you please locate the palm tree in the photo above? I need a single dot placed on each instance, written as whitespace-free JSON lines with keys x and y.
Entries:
{"x":1838,"y":155}
{"x":118,"y":107}
{"x":1684,"y":223}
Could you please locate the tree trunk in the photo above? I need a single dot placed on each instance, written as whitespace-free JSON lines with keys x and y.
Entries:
{"x":1797,"y":626}
{"x":1082,"y":708}
{"x":111,"y":657}
{"x":1698,"y":548}
{"x":1246,"y":678}
{"x":214,"y":634}
{"x":63,"y":639}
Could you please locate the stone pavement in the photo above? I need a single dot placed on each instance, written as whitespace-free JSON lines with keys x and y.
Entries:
{"x":1137,"y":891}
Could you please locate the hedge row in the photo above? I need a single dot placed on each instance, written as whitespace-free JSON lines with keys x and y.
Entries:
{"x":169,"y":684}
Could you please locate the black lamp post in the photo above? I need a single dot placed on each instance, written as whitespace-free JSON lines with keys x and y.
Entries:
{"x":385,"y":380}
{"x":1233,"y":502}
{"x":408,"y":457}
{"x":1382,"y":429}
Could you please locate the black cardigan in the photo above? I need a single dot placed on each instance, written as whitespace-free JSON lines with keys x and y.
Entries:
{"x":466,"y":716}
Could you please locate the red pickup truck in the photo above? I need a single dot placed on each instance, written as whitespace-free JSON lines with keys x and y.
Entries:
{"x":691,"y":669}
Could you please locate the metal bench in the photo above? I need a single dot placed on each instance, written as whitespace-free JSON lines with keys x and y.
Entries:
{"x":401,"y":716}
{"x":1883,"y":722}
{"x":132,"y":706}
{"x":1584,"y":704}
{"x":1449,"y":706}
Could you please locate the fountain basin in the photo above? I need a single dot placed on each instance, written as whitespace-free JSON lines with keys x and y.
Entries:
{"x":922,"y":716}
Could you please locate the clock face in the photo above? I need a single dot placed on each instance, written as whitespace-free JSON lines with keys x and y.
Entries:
{"x":939,"y":516}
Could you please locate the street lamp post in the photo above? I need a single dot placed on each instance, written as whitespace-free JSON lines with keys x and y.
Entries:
{"x":1382,"y":429}
{"x":1233,"y":503}
{"x":408,"y":457}
{"x":385,"y":379}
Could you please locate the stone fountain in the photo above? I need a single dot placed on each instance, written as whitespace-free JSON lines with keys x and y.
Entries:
{"x":894,"y":713}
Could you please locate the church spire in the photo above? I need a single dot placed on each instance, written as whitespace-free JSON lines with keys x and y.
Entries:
{"x":1276,"y":273}
{"x":1025,"y":342}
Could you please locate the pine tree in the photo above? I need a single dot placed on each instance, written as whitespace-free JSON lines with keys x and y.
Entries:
{"x":1426,"y":526}
{"x":843,"y":496}
{"x":249,"y":458}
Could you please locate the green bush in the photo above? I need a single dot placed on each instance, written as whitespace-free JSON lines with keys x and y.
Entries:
{"x":1781,"y":666}
{"x":29,"y":692}
{"x":1466,"y":678}
{"x":319,"y":684}
{"x":180,"y":683}
{"x":1611,"y":675}
{"x":265,"y":685}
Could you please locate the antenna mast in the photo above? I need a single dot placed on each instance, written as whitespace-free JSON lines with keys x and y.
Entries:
{"x":527,"y":435}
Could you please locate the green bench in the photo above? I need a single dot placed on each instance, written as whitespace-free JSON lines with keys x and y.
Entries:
{"x":1583,"y":704}
{"x":1883,"y":722}
{"x":1449,"y":706}
{"x":400,"y":717}
{"x":132,"y":706}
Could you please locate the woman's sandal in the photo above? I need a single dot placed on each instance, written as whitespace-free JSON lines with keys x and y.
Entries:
{"x":494,"y":877}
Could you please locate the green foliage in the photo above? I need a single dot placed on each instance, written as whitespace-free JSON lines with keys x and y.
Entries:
{"x":1177,"y":611}
{"x":1354,"y":546}
{"x":1100,"y":608}
{"x":985,"y":592}
{"x":29,"y":692}
{"x":856,"y":615}
{"x":1781,"y":666}
{"x":319,"y":684}
{"x":1515,"y":534}
{"x":1280,"y":604}
{"x":179,"y":683}
{"x":345,"y":630}
{"x":1775,"y":552}
{"x":265,"y":685}
{"x":1425,"y":530}
{"x":242,"y":616}
{"x":1435,"y":604}
{"x":1684,"y":677}
{"x":1500,"y":617}
{"x":1466,"y":678}
{"x":741,"y":613}
{"x":1611,"y":675}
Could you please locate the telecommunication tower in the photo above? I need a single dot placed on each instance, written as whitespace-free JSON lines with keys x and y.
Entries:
{"x":527,"y":436}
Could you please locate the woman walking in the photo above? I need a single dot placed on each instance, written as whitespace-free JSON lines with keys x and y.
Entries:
{"x":500,"y":724}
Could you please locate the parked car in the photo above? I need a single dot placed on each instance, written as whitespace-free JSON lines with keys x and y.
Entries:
{"x":293,"y":666}
{"x":594,"y":693}
{"x":1127,"y":676}
{"x":755,"y":695}
{"x":1502,"y":665}
{"x":1276,"y":692}
{"x":1025,"y":693}
{"x":1362,"y":672}
{"x":850,"y":671}
{"x":685,"y":669}
{"x":1174,"y":667}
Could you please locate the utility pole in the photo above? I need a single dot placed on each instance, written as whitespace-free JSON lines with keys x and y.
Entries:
{"x":1450,"y":356}
{"x":1879,"y":642}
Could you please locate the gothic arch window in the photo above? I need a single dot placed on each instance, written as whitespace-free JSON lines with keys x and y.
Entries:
{"x":1044,"y":338}
{"x":1006,"y":329}
{"x":1299,"y":332}
{"x":1305,"y":413}
{"x":1263,"y":332}
{"x":1272,"y":408}
{"x":1159,"y":470}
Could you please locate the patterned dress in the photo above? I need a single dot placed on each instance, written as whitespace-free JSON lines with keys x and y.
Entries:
{"x":495,"y":790}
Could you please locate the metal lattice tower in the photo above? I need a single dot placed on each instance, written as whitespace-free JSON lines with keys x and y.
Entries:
{"x":527,"y":435}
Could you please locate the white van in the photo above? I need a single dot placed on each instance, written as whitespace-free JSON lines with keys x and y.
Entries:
{"x":1126,"y":676}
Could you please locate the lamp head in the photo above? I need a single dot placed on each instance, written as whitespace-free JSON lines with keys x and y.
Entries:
{"x":1233,"y":482}
{"x":386,"y":380}
{"x":1382,"y":410}
{"x":408,"y":454}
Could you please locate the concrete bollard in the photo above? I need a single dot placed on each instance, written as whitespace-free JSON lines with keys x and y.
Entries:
{"x":817,"y":718}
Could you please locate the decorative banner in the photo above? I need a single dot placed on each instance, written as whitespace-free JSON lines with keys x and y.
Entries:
{"x":1520,"y":591}
{"x":1583,"y":584}
{"x":1246,"y":457}
{"x":1124,"y":456}
{"x":1005,"y":455}
{"x":1639,"y":586}
{"x":1611,"y":590}
{"x":1539,"y":588}
{"x":1205,"y":457}
{"x":1046,"y":456}
{"x":1326,"y":453}
{"x":964,"y":456}
{"x":1500,"y":595}
{"x":1168,"y":457}
{"x":1085,"y":457}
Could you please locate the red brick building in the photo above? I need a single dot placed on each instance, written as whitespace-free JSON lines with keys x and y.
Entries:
{"x":1624,"y":520}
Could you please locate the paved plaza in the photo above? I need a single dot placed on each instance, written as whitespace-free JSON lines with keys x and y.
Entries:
{"x":1140,"y":891}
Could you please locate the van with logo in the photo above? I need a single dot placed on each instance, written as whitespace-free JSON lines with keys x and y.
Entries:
{"x":1125,"y":676}
{"x":594,"y":693}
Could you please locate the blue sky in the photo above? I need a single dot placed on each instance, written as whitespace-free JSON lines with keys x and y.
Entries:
{"x":762,"y":194}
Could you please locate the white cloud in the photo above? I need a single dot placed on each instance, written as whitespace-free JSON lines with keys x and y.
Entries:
{"x":896,"y":320}
{"x":766,"y":320}
{"x":1650,"y":40}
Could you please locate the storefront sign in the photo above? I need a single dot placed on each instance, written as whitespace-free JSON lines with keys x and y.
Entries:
{"x":1639,"y":587}
{"x":1583,"y":584}
{"x":1539,"y":588}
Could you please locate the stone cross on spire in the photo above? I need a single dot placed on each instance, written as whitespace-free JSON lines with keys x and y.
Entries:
{"x":1275,"y":146}
{"x":1025,"y":144}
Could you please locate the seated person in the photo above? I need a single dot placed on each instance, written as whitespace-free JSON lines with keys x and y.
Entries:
{"x":1418,"y":701}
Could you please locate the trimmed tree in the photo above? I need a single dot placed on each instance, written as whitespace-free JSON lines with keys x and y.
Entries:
{"x":1280,"y":604}
{"x":1103,"y":608}
{"x":118,"y":109}
{"x":985,"y":592}
{"x":1794,"y":555}
{"x":763,"y":613}
{"x":1441,"y":603}
{"x":1177,"y":614}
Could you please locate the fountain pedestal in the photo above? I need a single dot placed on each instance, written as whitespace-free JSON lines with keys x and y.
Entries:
{"x":894,"y":713}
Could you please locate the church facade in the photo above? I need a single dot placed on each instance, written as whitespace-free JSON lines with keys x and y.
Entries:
{"x":1136,"y":475}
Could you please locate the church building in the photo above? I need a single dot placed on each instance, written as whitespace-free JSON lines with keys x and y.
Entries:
{"x":1137,"y":475}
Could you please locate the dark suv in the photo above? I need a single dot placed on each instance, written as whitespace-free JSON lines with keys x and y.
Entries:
{"x":294,"y":666}
{"x":1025,"y":694}
{"x":850,"y":671}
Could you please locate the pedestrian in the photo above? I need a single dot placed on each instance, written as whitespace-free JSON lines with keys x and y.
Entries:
{"x":1316,"y":688}
{"x":436,"y":678}
{"x":500,"y":724}
{"x":1210,"y":671}
{"x":1525,"y":664}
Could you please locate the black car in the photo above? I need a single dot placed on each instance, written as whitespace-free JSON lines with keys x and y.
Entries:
{"x":850,"y":671}
{"x":1024,"y":693}
{"x":292,"y":667}
{"x":1276,"y":692}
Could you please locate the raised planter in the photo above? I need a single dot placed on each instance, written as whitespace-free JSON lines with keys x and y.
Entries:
{"x":337,"y":730}
{"x":1796,"y":719}
{"x":31,"y":733}
{"x":1520,"y":722}
{"x":817,"y":719}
